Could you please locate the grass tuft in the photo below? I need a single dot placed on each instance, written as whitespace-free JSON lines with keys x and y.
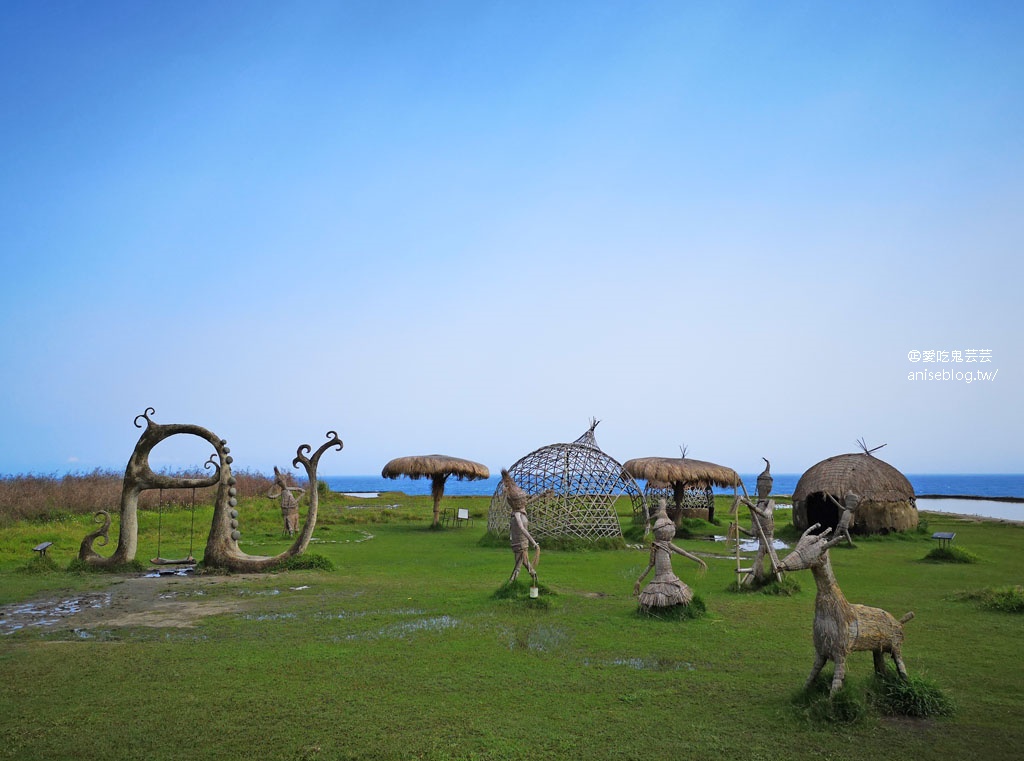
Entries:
{"x":951,"y":555}
{"x":788,"y":587}
{"x":847,"y":707}
{"x":914,"y":697}
{"x":519,"y":591}
{"x":80,"y":567}
{"x":694,"y":610}
{"x":39,"y":564}
{"x":310,"y":561}
{"x":1000,"y":599}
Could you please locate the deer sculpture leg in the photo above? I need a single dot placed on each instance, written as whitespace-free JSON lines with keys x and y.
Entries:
{"x":895,"y":652}
{"x":839,"y":675}
{"x":879,"y":658}
{"x":819,"y":664}
{"x":900,"y":667}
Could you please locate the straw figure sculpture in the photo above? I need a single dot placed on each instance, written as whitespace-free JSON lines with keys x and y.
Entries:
{"x":847,"y":508}
{"x":683,"y":474}
{"x":762,"y":528}
{"x":438,"y":468}
{"x":222,"y":550}
{"x":289,"y":505}
{"x":665,"y":589}
{"x":519,"y":534}
{"x":572,"y":489}
{"x":884,"y":497}
{"x":840,"y":627}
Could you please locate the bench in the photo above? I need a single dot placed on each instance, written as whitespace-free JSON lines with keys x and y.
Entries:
{"x":42,"y":548}
{"x":944,"y":537}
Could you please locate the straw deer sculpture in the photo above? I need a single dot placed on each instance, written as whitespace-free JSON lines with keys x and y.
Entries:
{"x":840,"y":627}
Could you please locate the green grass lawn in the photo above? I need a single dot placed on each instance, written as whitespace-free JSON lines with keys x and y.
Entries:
{"x":402,"y":651}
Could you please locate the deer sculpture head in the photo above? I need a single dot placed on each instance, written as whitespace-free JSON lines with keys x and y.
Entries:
{"x":810,"y":551}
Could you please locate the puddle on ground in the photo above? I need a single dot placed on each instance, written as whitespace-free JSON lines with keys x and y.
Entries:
{"x":258,"y":592}
{"x":49,"y":612}
{"x":181,"y":593}
{"x":750,"y":545}
{"x":156,"y":573}
{"x":367,"y":536}
{"x":649,"y":664}
{"x":268,"y":616}
{"x":399,"y":631}
{"x":343,"y":614}
{"x":542,"y":639}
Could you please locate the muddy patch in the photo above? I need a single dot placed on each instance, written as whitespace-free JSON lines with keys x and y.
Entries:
{"x":49,"y":613}
{"x":163,"y":602}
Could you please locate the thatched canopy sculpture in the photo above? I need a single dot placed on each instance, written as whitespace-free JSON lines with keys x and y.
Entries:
{"x":683,"y":474}
{"x":438,"y":468}
{"x":572,"y":490}
{"x":697,"y":502}
{"x":886,"y":504}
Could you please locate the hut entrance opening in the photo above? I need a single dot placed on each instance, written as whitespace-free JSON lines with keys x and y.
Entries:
{"x":820,"y":509}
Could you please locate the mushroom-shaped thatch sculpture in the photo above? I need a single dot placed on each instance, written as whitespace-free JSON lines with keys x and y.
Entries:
{"x":886,"y":497}
{"x":697,"y":502}
{"x":683,"y":474}
{"x":438,"y":468}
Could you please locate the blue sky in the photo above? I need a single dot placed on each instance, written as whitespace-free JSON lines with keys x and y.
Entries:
{"x":468,"y":227}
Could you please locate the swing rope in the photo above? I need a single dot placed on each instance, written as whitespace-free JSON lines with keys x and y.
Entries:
{"x":159,"y":560}
{"x":159,"y":521}
{"x":192,"y":528}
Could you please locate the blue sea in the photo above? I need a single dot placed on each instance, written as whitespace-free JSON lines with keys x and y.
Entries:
{"x":985,"y":490}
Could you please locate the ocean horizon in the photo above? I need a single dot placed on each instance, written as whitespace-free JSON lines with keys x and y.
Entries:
{"x":988,"y":495}
{"x":975,"y":485}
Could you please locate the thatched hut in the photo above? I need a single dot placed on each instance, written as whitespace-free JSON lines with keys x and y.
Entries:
{"x":571,"y":489}
{"x":887,"y":500}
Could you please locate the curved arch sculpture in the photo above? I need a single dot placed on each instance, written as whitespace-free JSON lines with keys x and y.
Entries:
{"x":222,"y":549}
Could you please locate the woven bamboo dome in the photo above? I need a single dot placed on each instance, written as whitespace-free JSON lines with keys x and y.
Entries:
{"x":572,"y":489}
{"x":887,"y":500}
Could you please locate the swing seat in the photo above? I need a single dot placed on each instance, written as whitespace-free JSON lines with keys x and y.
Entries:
{"x":183,"y":561}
